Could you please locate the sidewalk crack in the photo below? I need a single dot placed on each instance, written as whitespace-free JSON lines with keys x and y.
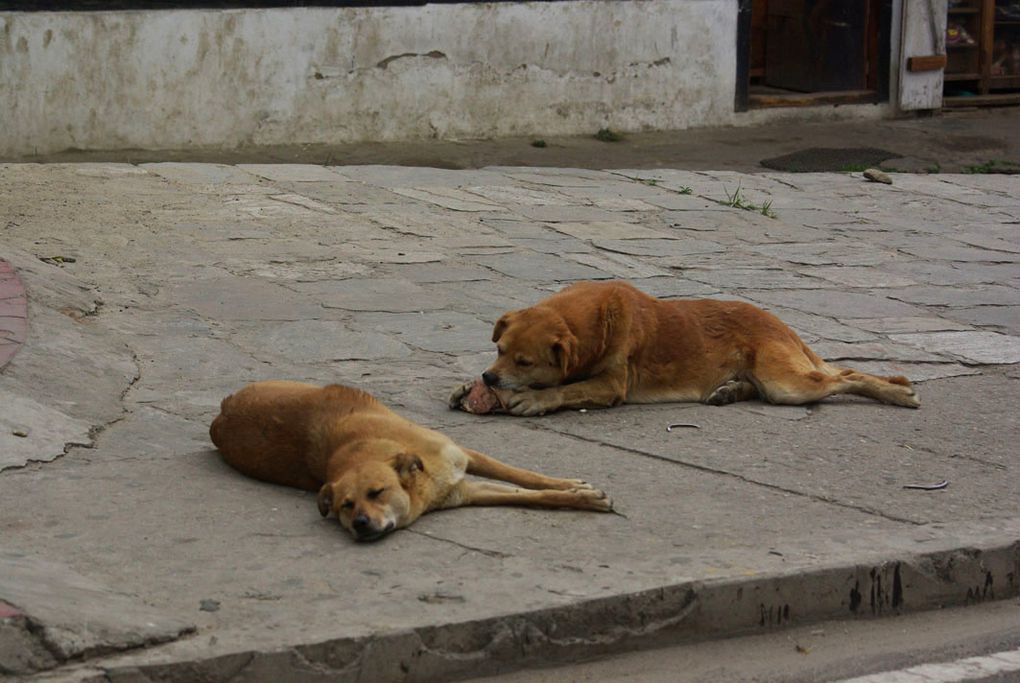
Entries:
{"x":484,"y":551}
{"x":733,"y":475}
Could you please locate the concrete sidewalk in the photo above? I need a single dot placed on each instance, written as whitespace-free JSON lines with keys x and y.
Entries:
{"x":129,"y":551}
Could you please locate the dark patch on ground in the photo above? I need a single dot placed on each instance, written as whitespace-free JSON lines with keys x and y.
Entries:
{"x":829,"y":159}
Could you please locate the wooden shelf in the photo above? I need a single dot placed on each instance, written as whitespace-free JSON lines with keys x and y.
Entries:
{"x":962,"y":77}
{"x":971,"y":65}
{"x":981,"y":100}
{"x":1011,"y":81}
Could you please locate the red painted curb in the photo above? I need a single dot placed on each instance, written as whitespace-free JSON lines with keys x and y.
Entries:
{"x":13,"y":313}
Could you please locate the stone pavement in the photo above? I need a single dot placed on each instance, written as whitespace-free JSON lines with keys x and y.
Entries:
{"x":129,"y":551}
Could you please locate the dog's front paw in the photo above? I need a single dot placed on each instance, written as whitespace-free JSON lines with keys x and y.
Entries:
{"x":457,"y":397}
{"x":528,"y":404}
{"x":596,"y":499}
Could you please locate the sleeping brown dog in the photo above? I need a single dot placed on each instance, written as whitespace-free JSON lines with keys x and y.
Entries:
{"x":600,"y":344}
{"x":373,"y":469}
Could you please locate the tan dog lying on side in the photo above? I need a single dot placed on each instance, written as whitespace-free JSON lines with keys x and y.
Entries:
{"x":600,"y":344}
{"x":372,"y":468}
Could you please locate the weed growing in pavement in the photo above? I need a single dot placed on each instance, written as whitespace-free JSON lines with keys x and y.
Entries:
{"x":854,"y":168}
{"x":607,"y":135}
{"x":994,"y":166}
{"x":737,"y":201}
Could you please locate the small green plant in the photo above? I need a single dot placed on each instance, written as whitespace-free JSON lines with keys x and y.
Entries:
{"x":650,"y":181}
{"x":685,"y":190}
{"x":607,"y":135}
{"x":994,"y":166}
{"x":738,"y":201}
{"x":538,"y":143}
{"x":854,"y":168}
{"x":934,"y":168}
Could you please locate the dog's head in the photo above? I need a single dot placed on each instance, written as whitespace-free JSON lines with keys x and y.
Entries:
{"x":373,"y":498}
{"x":535,"y":350}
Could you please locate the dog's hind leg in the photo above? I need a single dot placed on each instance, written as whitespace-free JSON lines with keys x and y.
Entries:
{"x":731,"y":392}
{"x":791,"y":376}
{"x":487,"y":466}
{"x":489,"y":493}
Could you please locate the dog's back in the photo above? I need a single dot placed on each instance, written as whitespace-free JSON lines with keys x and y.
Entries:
{"x":274,"y":430}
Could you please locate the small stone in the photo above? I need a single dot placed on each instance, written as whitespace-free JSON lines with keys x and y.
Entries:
{"x":20,"y":432}
{"x":877,"y":176}
{"x":208,"y":605}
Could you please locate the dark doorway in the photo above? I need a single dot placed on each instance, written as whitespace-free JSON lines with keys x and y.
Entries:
{"x":804,"y":52}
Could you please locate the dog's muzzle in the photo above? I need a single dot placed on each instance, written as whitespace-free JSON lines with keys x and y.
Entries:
{"x":364,"y":530}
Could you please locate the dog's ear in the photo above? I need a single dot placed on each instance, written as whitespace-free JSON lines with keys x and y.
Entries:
{"x":501,"y":326}
{"x":563,"y":351}
{"x":407,"y":465}
{"x":325,"y":499}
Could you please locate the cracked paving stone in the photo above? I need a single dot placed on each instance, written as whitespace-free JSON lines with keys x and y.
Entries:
{"x":828,"y":253}
{"x":200,"y":174}
{"x":521,"y":196}
{"x":753,"y":278}
{"x":392,"y":295}
{"x":673,"y":246}
{"x":987,"y":242}
{"x":294,"y":172}
{"x":446,"y":272}
{"x":839,"y":351}
{"x":320,"y":341}
{"x":46,"y":431}
{"x":981,"y":347}
{"x":838,"y":304}
{"x":606,"y":230}
{"x":449,"y":198}
{"x":945,"y":252}
{"x":858,"y":276}
{"x":619,"y":265}
{"x":420,"y":176}
{"x":1005,"y":317}
{"x":578,"y":215}
{"x":905,"y":325}
{"x":76,"y":615}
{"x":958,"y":297}
{"x":939,"y":273}
{"x":676,"y":287}
{"x":440,"y":332}
{"x":541,"y":267}
{"x":810,"y":326}
{"x":240,"y":298}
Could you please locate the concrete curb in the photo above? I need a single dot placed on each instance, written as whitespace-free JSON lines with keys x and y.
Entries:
{"x":689,"y":611}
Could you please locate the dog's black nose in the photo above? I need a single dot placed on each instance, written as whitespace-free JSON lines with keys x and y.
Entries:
{"x":360,"y":523}
{"x":490,"y":378}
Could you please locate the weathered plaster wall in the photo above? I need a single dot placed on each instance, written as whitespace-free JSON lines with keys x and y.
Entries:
{"x":193,"y":78}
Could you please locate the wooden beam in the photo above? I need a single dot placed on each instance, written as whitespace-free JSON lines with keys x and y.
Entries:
{"x":926,"y":63}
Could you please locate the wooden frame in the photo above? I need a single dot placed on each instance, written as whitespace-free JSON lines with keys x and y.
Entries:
{"x":971,"y":65}
{"x":877,"y":34}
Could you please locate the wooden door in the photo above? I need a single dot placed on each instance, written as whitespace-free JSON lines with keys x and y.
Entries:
{"x":817,"y":45}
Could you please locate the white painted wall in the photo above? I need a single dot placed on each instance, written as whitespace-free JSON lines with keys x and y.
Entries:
{"x":197,"y":78}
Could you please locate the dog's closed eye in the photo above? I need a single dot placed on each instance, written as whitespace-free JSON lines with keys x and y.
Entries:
{"x":347,"y":505}
{"x":523,"y":363}
{"x":375,"y":493}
